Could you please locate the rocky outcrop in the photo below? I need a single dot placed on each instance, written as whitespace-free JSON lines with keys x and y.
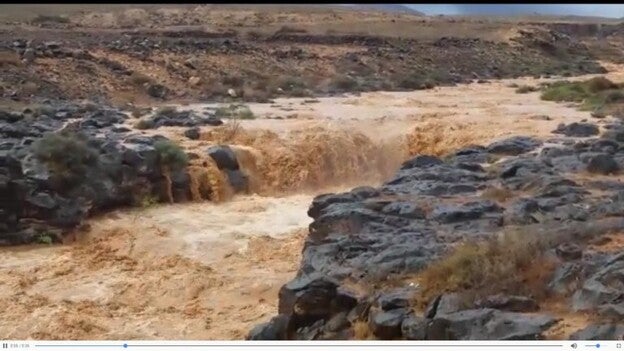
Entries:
{"x":63,"y":162}
{"x":368,"y":234}
{"x":174,"y":118}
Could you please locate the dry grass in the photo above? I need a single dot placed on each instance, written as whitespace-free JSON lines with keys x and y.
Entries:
{"x":524,"y":89}
{"x":497,"y":194}
{"x":9,"y":58}
{"x":29,"y":88}
{"x":231,"y":130}
{"x":513,"y":262}
{"x":361,"y":331}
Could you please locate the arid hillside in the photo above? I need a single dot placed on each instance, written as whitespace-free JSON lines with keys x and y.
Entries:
{"x":216,"y":52}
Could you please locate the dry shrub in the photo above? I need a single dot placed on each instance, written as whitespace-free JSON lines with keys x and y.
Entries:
{"x":139,"y":79}
{"x":256,"y":95}
{"x":497,"y":194}
{"x":233,"y":81}
{"x":9,"y":58}
{"x":515,"y":261}
{"x":361,"y":331}
{"x":132,"y":18}
{"x":494,"y":265}
{"x":344,"y":83}
{"x":524,"y":89}
{"x":215,"y":89}
{"x":124,"y":97}
{"x":29,"y":88}
{"x":598,"y":84}
{"x":291,"y":30}
{"x":253,"y":35}
{"x":230,"y":131}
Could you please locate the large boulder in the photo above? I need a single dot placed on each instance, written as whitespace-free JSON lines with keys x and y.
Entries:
{"x":386,"y":325}
{"x":577,"y":129}
{"x":275,"y":329}
{"x":224,"y":157}
{"x":509,"y":303}
{"x":414,"y":327}
{"x":603,"y":164}
{"x":603,"y":287}
{"x":514,"y":146}
{"x":488,"y":324}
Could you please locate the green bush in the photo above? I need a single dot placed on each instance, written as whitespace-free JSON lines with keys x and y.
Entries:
{"x":599,"y":94}
{"x":147,"y":201}
{"x":170,"y":155}
{"x":45,"y":238}
{"x":48,"y":18}
{"x":67,"y":155}
{"x":565,"y":91}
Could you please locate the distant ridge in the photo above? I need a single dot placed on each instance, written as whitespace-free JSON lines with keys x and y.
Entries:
{"x":394,"y":8}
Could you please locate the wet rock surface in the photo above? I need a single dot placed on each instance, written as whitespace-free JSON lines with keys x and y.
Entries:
{"x":404,"y":225}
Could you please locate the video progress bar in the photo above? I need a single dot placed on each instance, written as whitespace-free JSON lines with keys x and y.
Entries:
{"x":295,"y":345}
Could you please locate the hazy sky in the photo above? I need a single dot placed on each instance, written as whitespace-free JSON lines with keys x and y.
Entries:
{"x":603,"y":10}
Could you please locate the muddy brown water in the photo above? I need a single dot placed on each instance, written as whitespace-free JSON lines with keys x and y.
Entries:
{"x":206,"y":270}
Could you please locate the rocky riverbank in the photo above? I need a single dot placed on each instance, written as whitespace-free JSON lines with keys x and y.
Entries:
{"x":367,"y":248}
{"x":60,"y":163}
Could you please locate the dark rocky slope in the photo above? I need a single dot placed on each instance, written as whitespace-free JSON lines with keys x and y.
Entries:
{"x":561,"y":190}
{"x":64,"y":162}
{"x":48,"y":65}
